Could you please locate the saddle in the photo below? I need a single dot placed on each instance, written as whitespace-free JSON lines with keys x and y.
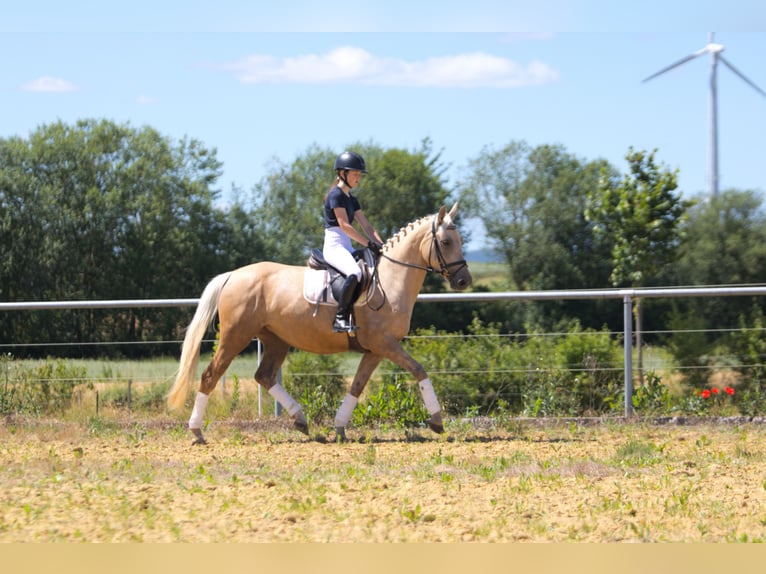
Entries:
{"x":322,"y":282}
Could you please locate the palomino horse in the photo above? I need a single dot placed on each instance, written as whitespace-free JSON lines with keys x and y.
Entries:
{"x":265,"y":301}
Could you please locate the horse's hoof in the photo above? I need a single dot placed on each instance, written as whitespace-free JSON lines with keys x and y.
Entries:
{"x":437,"y":428}
{"x":302,"y":426}
{"x":340,"y":434}
{"x":435,"y":423}
{"x":198,"y":438}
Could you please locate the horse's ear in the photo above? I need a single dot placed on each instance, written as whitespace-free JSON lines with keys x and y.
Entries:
{"x":440,"y":216}
{"x":453,"y":211}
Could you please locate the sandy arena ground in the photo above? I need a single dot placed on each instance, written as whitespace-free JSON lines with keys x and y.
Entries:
{"x":610,"y":482}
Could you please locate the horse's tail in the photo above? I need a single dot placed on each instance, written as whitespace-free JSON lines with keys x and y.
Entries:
{"x":203,"y":316}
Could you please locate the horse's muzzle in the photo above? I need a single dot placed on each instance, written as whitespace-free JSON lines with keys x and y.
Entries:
{"x":461,"y":280}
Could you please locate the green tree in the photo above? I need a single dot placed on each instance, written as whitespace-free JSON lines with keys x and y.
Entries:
{"x":643,"y":216}
{"x":532,"y":203}
{"x":242,"y":241}
{"x":402,"y":185}
{"x":726,"y":241}
{"x":287,"y":205}
{"x":97,"y":210}
{"x":725,"y":245}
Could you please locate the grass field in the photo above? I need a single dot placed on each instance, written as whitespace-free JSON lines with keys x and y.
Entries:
{"x":141,"y":480}
{"x":491,"y":275}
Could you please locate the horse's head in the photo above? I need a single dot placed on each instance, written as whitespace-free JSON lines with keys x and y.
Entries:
{"x":444,"y":251}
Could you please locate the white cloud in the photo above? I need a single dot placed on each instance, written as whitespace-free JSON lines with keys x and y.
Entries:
{"x":143,"y":100}
{"x":49,"y":84}
{"x":357,"y":66}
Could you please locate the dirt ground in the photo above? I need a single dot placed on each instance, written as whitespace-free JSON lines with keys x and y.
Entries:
{"x":606,"y":482}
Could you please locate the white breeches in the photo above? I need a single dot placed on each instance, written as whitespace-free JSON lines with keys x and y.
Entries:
{"x":337,"y":252}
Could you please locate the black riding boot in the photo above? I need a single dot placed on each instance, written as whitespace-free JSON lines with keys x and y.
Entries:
{"x":342,"y":322}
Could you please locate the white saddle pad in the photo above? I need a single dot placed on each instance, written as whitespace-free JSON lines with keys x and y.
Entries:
{"x":316,"y":287}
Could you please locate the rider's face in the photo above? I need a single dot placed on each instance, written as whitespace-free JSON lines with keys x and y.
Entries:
{"x":354,"y":177}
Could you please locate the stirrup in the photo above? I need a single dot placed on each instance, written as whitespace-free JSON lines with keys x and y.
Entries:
{"x":343,"y":325}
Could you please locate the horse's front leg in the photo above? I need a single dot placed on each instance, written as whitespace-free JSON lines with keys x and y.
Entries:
{"x":364,"y":371}
{"x":395,"y":353}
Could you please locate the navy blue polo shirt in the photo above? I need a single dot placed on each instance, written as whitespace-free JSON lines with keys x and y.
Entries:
{"x":336,"y":198}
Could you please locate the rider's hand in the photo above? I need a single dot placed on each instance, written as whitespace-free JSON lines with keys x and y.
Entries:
{"x":375,"y":247}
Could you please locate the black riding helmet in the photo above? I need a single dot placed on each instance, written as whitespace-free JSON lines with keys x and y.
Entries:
{"x":350,"y":160}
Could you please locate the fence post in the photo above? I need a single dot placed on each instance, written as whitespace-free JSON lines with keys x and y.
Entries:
{"x":628,"y":352}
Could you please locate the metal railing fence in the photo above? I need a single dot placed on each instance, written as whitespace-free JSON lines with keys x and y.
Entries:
{"x":628,"y":296}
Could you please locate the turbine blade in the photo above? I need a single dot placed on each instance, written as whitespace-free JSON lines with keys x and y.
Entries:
{"x":741,"y":75}
{"x":678,"y":63}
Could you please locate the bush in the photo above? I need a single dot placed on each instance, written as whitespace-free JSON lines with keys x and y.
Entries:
{"x":577,"y":372}
{"x":42,"y":389}
{"x":573,"y":374}
{"x":149,"y":397}
{"x":394,"y":401}
{"x":748,"y":345}
{"x":537,"y":375}
{"x":471,"y":371}
{"x":653,"y":397}
{"x":689,"y":346}
{"x":315,"y":382}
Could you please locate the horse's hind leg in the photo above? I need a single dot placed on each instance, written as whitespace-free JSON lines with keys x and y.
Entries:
{"x":228,"y":348}
{"x":274,"y":353}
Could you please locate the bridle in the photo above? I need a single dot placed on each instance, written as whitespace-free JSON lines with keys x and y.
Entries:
{"x":444,"y":267}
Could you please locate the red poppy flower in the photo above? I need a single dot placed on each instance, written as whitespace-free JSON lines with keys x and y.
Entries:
{"x":715,"y":391}
{"x":705,"y":394}
{"x":729,"y":391}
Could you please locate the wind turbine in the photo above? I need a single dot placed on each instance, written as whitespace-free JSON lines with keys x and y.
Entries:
{"x":715,"y":55}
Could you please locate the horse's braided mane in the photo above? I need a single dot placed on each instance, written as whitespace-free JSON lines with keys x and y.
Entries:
{"x":409,"y":227}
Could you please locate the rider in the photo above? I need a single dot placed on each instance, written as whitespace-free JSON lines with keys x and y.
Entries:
{"x":341,"y":209}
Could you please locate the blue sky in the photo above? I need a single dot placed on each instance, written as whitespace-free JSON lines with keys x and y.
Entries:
{"x":258,"y":80}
